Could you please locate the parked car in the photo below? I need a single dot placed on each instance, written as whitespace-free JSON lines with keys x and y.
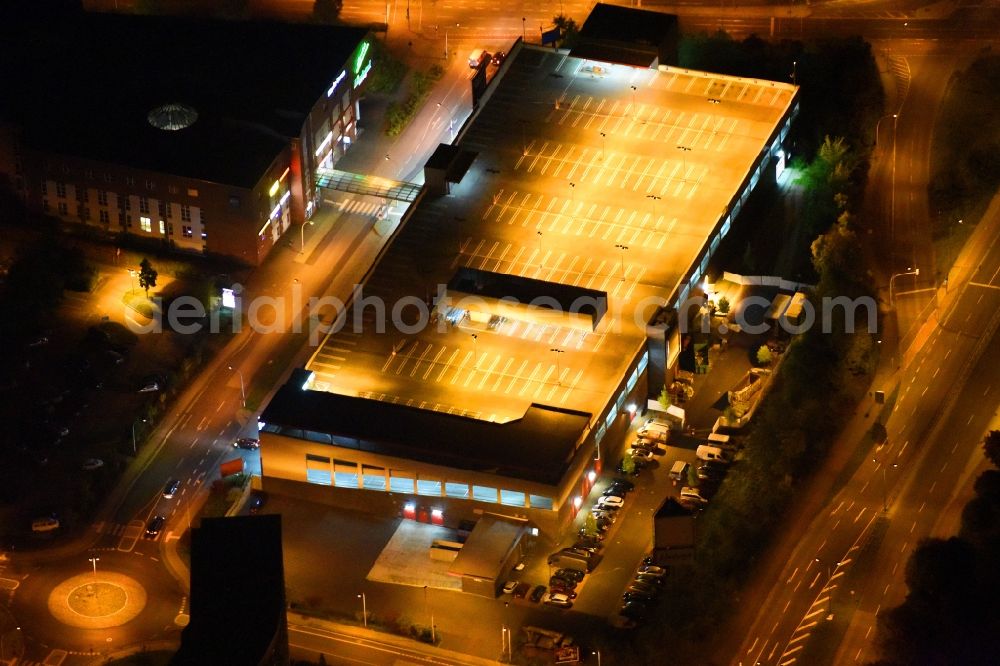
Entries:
{"x":90,"y":464}
{"x":582,"y":534}
{"x":154,"y":526}
{"x":611,"y":501}
{"x":644,"y":444}
{"x":712,"y":470}
{"x":633,"y":610}
{"x":171,"y":488}
{"x":652,"y":579}
{"x":566,"y":583}
{"x":652,"y":570}
{"x":571,"y":574}
{"x":537,"y":593}
{"x":509,"y":587}
{"x":248,"y":443}
{"x":522,"y":589}
{"x":46,"y":524}
{"x":641,"y":597}
{"x":257,"y":501}
{"x":691,"y":496}
{"x":498,"y":58}
{"x":643,"y":588}
{"x":624,"y":483}
{"x":641,"y":454}
{"x":559,"y":587}
{"x":619,"y":489}
{"x":587,"y":542}
{"x":559,"y":600}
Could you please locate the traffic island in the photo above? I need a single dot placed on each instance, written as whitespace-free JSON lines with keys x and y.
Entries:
{"x":90,"y":601}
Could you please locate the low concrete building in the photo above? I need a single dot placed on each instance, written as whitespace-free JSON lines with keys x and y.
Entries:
{"x":493,"y":548}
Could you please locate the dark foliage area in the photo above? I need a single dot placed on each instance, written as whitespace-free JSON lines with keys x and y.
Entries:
{"x":950,"y":615}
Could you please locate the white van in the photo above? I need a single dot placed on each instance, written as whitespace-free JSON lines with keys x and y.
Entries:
{"x":654,"y":430}
{"x":708,"y":452}
{"x":477,"y":57}
{"x":679,"y":471}
{"x":719,"y":439}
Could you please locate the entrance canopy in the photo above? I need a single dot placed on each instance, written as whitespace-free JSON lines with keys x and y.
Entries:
{"x":376,"y":186}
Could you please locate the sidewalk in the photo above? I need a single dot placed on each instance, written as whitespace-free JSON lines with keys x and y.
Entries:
{"x":433,"y":654}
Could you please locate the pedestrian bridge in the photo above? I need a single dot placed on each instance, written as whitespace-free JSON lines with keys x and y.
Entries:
{"x":375,"y":186}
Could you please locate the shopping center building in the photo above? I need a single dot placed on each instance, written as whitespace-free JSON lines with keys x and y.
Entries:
{"x":203,"y":134}
{"x":578,"y":207}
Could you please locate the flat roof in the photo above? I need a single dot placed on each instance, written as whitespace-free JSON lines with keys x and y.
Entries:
{"x":538,"y":446}
{"x":484,"y":552}
{"x":579,"y":180}
{"x":83,"y":84}
{"x":628,"y":36}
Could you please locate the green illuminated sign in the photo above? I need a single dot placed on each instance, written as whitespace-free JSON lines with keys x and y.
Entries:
{"x":360,"y":58}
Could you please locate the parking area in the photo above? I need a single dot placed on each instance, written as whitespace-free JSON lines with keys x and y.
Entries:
{"x":604,"y":178}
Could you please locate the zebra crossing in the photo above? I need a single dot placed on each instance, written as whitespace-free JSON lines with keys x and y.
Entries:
{"x":363,"y":207}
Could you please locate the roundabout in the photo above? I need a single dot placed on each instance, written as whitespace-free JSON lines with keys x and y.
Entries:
{"x":99,"y":601}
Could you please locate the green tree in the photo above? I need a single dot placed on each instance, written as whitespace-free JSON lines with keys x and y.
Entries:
{"x":693,"y":479}
{"x":724,"y":305}
{"x":569,"y":31}
{"x":628,"y":463}
{"x":664,"y":398}
{"x":147,"y":275}
{"x":764,"y":356}
{"x":991,"y":447}
{"x":327,"y":11}
{"x":590,"y":524}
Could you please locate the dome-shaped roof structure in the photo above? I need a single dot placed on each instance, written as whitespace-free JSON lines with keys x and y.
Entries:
{"x":172,"y":117}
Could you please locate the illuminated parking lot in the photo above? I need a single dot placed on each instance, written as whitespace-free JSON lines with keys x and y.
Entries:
{"x":608,"y":178}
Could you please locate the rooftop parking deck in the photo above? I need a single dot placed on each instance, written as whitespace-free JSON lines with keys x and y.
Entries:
{"x":609,"y":178}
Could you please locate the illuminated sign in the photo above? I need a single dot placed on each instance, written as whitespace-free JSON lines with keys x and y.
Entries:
{"x":364,"y":73}
{"x":228,"y":298}
{"x":274,"y":189}
{"x":360,"y":58}
{"x":361,"y":68}
{"x":336,"y":82}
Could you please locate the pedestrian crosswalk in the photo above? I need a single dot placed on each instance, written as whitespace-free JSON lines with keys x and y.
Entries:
{"x":364,"y":207}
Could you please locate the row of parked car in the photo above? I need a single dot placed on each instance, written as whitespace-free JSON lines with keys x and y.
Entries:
{"x":641,"y":593}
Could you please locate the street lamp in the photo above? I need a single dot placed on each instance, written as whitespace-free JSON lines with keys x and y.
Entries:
{"x":302,"y":236}
{"x":624,"y":249}
{"x":572,"y":193}
{"x":243,"y":392}
{"x":915,"y":271}
{"x":634,"y":110}
{"x":885,"y":491}
{"x":475,"y":349}
{"x":133,"y":434}
{"x":3,"y":638}
{"x":541,"y":262}
{"x":524,"y":37}
{"x":654,"y":198}
{"x":431,"y":615}
{"x":556,"y":351}
{"x":364,"y":608}
{"x":604,"y":144}
{"x":446,"y":40}
{"x":879,"y":124}
{"x":131,"y":274}
{"x":684,"y":151}
{"x":598,"y":653}
{"x":892,"y":200}
{"x":94,"y":561}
